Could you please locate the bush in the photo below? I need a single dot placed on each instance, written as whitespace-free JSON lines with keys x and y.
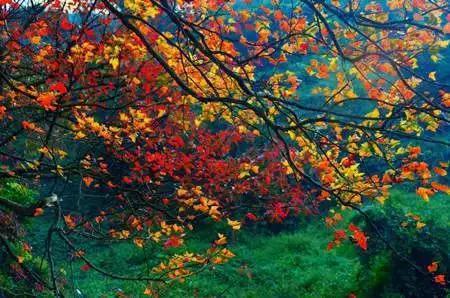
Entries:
{"x":418,"y":231}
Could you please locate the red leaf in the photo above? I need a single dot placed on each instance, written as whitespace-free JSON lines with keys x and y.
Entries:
{"x":66,"y":25}
{"x":59,"y":87}
{"x":359,"y":236}
{"x":173,"y":241}
{"x":251,"y":216}
{"x":440,"y":279}
{"x":127,"y":180}
{"x":432,"y":267}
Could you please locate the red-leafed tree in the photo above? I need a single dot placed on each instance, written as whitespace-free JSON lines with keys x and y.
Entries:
{"x":164,"y":114}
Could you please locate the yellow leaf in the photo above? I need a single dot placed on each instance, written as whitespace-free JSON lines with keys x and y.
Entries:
{"x":182,"y":192}
{"x":381,"y":199}
{"x":222,"y":240}
{"x":374,"y":114}
{"x":255,"y":169}
{"x":133,"y":137}
{"x":235,"y":225}
{"x":36,"y":39}
{"x":420,"y":225}
{"x":114,"y":62}
{"x":161,"y":113}
{"x":44,"y":150}
{"x":139,"y":242}
{"x":432,"y":75}
{"x":244,"y":174}
{"x":79,"y":135}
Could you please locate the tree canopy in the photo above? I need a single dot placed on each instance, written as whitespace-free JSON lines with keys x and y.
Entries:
{"x":161,"y":116}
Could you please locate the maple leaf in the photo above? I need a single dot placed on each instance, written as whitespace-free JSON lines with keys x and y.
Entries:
{"x":46,"y":100}
{"x":339,"y":235}
{"x":173,"y":241}
{"x":28,"y":125}
{"x":425,"y":193}
{"x":139,"y":242}
{"x":2,"y":111}
{"x":414,"y":152}
{"x":419,"y":3}
{"x":440,"y":187}
{"x":148,"y":291}
{"x":127,"y":180}
{"x":114,"y":63}
{"x":432,"y":75}
{"x":251,"y":216}
{"x":70,"y":222}
{"x":59,"y":87}
{"x":446,"y":28}
{"x":440,"y":171}
{"x":234,"y":224}
{"x":278,"y":15}
{"x":35,"y":39}
{"x":222,"y":240}
{"x":66,"y":25}
{"x":38,"y":212}
{"x":433,"y":267}
{"x":88,"y":180}
{"x":440,"y":279}
{"x":358,"y":236}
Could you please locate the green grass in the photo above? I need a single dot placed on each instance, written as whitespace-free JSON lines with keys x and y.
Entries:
{"x":284,"y":265}
{"x":435,"y":211}
{"x":293,"y":264}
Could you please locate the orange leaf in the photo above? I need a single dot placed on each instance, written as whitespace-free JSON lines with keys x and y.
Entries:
{"x":446,"y":28}
{"x":38,"y":212}
{"x":424,"y":193}
{"x":88,"y":180}
{"x":440,"y":187}
{"x":46,"y":101}
{"x":148,"y":291}
{"x":414,"y":152}
{"x":440,"y":171}
{"x":139,"y":242}
{"x":284,"y":25}
{"x":440,"y":279}
{"x":432,"y":267}
{"x":69,"y":221}
{"x":278,"y":15}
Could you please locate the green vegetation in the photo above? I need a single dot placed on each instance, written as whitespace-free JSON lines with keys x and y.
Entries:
{"x":286,"y":264}
{"x":297,"y":264}
{"x":16,"y":192}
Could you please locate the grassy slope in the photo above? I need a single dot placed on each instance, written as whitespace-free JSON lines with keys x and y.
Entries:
{"x":287,"y":265}
{"x":284,"y":265}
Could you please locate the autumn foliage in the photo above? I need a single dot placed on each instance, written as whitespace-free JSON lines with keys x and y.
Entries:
{"x":181,"y":114}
